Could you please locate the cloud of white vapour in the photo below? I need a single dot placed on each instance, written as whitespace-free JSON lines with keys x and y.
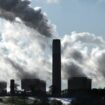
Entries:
{"x":83,"y":54}
{"x":24,"y":52}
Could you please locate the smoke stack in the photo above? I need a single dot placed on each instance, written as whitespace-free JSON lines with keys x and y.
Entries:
{"x":12,"y":87}
{"x":56,"y":66}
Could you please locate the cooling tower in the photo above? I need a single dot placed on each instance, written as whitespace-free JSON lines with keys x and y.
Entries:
{"x":39,"y":85}
{"x":56,"y":66}
{"x":3,"y":85}
{"x":79,"y":83}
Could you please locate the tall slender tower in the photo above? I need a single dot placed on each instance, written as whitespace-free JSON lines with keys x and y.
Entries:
{"x":12,"y":87}
{"x":56,"y":66}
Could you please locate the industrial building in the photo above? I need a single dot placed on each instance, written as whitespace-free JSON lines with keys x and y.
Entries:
{"x":56,"y":68}
{"x":79,"y":83}
{"x":36,"y":84}
{"x":3,"y":86}
{"x":79,"y":86}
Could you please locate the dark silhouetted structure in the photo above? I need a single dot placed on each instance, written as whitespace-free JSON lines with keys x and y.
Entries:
{"x":12,"y":87}
{"x":79,"y":90}
{"x":35,"y":86}
{"x":3,"y":87}
{"x":79,"y":86}
{"x":79,"y":83}
{"x":56,"y":66}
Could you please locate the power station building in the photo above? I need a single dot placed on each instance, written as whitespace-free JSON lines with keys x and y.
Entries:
{"x":56,"y":68}
{"x":3,"y":86}
{"x":79,"y":83}
{"x":36,"y":84}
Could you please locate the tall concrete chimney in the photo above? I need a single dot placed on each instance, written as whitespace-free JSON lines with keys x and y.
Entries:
{"x":56,"y":66}
{"x":12,"y":87}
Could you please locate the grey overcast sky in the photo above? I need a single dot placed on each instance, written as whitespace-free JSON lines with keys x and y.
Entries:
{"x":75,"y":15}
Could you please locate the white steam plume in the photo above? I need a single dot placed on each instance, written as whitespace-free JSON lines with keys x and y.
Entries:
{"x":83,"y":54}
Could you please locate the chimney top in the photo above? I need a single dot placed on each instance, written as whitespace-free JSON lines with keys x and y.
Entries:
{"x":56,"y":46}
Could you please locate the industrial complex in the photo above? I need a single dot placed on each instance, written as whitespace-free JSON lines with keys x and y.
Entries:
{"x":37,"y":87}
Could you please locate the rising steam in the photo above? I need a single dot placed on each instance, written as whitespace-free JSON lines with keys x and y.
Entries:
{"x":34,"y":18}
{"x":24,"y":52}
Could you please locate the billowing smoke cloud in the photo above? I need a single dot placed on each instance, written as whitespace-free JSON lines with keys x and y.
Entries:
{"x":83,"y":54}
{"x":22,"y":71}
{"x":21,"y":10}
{"x":72,"y":69}
{"x":25,"y":52}
{"x":29,"y":55}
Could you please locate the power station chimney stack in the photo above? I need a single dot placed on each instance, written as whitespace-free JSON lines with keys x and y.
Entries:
{"x":56,"y":66}
{"x":12,"y":87}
